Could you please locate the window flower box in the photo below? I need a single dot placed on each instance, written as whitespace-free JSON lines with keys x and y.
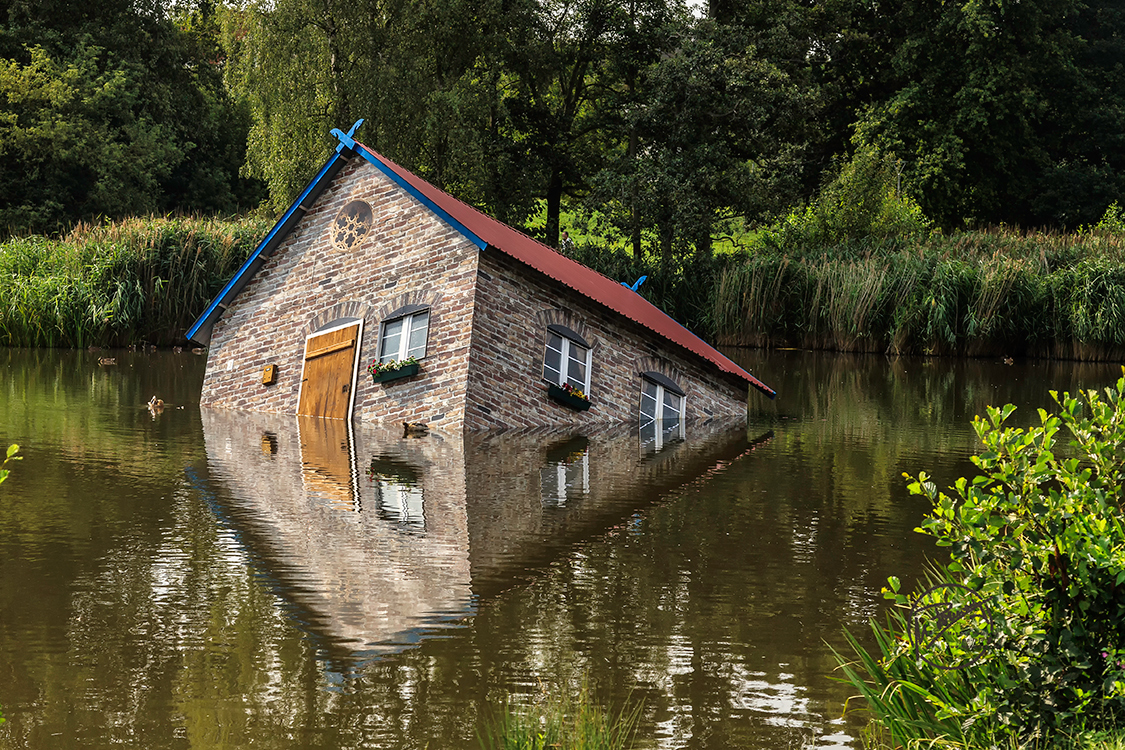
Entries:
{"x":384,"y":372}
{"x":569,"y":396}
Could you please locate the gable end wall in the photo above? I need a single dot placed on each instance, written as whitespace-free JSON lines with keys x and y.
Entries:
{"x":409,"y":256}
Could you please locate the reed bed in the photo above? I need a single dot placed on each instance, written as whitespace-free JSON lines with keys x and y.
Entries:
{"x":572,"y":721}
{"x":994,"y":292}
{"x":121,"y":283}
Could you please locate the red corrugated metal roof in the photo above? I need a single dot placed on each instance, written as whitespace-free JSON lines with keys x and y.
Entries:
{"x":583,"y":280}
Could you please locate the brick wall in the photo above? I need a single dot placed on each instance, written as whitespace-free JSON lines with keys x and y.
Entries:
{"x":514,"y":306}
{"x":409,"y":256}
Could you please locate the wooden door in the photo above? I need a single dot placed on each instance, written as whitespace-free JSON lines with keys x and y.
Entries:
{"x":326,"y":383}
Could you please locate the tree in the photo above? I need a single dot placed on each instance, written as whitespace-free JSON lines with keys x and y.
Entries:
{"x":722,"y":131}
{"x":110,"y":109}
{"x":1007,"y":111}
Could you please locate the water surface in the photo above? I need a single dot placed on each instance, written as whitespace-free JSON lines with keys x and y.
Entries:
{"x":218,"y":579}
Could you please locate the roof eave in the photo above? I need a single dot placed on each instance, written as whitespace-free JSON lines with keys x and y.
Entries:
{"x":200,"y":331}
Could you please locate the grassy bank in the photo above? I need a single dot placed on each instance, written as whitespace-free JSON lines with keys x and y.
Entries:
{"x":138,"y":280}
{"x":993,"y":293}
{"x":985,"y":293}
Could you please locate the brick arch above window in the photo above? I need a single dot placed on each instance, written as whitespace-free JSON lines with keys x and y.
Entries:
{"x":408,"y":300}
{"x":655,"y":364}
{"x":352,"y":309}
{"x":567,"y":320}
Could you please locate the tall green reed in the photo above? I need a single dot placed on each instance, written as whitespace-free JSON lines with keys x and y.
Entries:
{"x":113,"y":284}
{"x":988,"y":293}
{"x":569,"y":721}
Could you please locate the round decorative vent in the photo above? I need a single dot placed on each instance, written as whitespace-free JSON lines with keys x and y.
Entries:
{"x":352,"y":225}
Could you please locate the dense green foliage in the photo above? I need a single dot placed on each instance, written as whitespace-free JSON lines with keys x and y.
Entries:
{"x":670,"y":124}
{"x":1003,"y":111}
{"x":113,"y":108}
{"x":142,"y":280}
{"x":1037,"y":551}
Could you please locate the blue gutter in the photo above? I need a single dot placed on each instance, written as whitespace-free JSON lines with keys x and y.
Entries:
{"x":265,"y":249}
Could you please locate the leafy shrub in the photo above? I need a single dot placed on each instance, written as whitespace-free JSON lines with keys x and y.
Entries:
{"x":1039,"y":538}
{"x":1113,"y":221}
{"x":864,"y":201}
{"x":12,"y":449}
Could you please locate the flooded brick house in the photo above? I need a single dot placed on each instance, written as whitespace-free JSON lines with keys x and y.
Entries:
{"x":373,"y":265}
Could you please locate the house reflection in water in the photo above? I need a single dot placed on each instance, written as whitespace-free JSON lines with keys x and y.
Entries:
{"x":377,"y":539}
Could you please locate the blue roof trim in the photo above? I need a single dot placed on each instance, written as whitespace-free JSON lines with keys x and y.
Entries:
{"x":436,"y":209}
{"x":271,"y":240}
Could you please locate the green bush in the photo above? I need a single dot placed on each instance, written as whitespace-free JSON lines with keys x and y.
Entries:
{"x":1037,"y":541}
{"x":864,"y":202}
{"x":1113,"y":221}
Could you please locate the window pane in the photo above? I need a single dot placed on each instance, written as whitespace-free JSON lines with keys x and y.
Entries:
{"x":648,"y":400}
{"x":392,"y":334}
{"x":552,"y":360}
{"x":576,"y":369}
{"x":419,"y":325}
{"x":671,"y":406}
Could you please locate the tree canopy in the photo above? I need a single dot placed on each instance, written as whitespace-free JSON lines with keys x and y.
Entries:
{"x":666,"y":120}
{"x":110,"y":109}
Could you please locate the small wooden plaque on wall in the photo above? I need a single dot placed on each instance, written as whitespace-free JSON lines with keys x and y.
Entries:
{"x":269,"y":375}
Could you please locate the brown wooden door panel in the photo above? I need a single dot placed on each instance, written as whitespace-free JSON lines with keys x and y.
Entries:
{"x":327,"y":378}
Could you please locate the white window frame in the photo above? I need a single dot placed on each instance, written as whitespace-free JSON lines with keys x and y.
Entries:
{"x":567,"y":345}
{"x":660,"y":391}
{"x":404,"y":337}
{"x":661,"y":432}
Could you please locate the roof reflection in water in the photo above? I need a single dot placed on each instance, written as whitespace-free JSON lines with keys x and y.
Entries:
{"x":375,"y":540}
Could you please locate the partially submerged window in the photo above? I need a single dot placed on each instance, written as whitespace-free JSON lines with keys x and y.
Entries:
{"x":662,"y":410}
{"x":403,"y":334}
{"x":566,"y":359}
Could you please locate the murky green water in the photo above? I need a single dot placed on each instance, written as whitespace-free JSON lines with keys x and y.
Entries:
{"x":184,"y":579}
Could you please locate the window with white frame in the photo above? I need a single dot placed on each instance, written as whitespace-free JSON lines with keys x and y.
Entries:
{"x":567,"y":359}
{"x":403,"y":334}
{"x":662,"y":410}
